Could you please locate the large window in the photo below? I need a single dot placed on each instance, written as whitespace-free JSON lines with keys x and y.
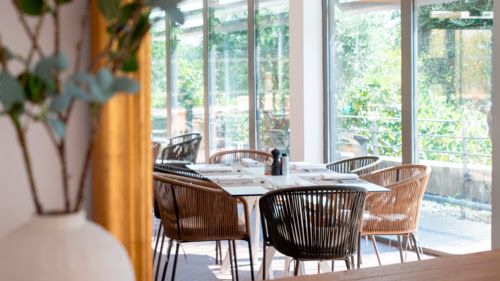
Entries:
{"x":454,"y":64}
{"x":366,"y":80}
{"x":272,"y":74}
{"x":228,"y":68}
{"x":212,"y":48}
{"x":450,"y":104}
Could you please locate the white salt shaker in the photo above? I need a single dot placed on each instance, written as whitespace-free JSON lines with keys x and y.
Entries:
{"x":284,"y":164}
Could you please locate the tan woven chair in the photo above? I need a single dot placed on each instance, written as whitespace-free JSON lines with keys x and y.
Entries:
{"x":233,"y":156}
{"x":396,"y":212}
{"x":357,"y":165}
{"x":191,"y":213}
{"x":156,"y":146}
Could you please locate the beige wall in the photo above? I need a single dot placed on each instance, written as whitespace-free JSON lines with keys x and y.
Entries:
{"x":15,"y":201}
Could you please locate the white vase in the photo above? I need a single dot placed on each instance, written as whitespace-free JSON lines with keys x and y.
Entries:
{"x":65,"y":248}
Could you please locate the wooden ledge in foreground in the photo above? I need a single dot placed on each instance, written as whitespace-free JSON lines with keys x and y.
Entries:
{"x":484,"y":266}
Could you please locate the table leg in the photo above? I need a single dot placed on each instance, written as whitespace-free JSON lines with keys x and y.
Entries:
{"x":270,"y":252}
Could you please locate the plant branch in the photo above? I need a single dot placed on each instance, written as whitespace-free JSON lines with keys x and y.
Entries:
{"x":79,"y":44}
{"x":38,"y":30}
{"x":83,"y":176}
{"x":57,"y":29}
{"x":61,"y":151}
{"x":29,"y":169}
{"x":30,"y":33}
{"x":3,"y":61}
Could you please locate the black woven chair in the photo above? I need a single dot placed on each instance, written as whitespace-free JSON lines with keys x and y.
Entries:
{"x":357,"y":165}
{"x":313,"y":223}
{"x":182,"y":148}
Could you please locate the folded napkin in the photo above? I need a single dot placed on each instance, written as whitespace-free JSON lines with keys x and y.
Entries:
{"x":212,"y":168}
{"x":232,"y":178}
{"x":305,"y":165}
{"x":338,"y":176}
{"x":249,"y":162}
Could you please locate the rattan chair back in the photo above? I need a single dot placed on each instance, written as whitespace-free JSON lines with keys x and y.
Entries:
{"x":233,"y":156}
{"x":397,"y":211}
{"x":182,"y":148}
{"x":357,"y":165}
{"x":156,"y":146}
{"x":192,"y":212}
{"x":313,"y":223}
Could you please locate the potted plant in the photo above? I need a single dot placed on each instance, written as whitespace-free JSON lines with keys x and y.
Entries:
{"x":62,"y":244}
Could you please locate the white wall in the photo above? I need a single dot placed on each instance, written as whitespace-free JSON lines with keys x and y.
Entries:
{"x":495,"y":190}
{"x":15,"y":201}
{"x":306,"y":81}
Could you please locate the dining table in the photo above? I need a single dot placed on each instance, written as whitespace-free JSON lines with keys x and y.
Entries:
{"x":248,"y":179}
{"x":483,"y":266}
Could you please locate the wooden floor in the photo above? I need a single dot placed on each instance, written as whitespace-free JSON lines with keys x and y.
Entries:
{"x":197,"y":262}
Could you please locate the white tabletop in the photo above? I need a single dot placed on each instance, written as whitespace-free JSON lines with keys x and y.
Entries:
{"x":239,"y":180}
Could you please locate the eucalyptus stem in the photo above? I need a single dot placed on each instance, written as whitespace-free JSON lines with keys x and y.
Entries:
{"x":29,"y":169}
{"x":38,"y":30}
{"x":30,"y":33}
{"x":83,"y":176}
{"x":61,"y":151}
{"x":57,"y":30}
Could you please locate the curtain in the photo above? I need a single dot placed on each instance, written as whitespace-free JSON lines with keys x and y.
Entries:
{"x":121,"y":169}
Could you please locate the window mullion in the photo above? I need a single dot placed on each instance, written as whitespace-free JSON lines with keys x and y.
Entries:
{"x":408,"y":82}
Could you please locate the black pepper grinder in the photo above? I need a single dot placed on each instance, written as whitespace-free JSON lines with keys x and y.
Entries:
{"x":276,"y":165}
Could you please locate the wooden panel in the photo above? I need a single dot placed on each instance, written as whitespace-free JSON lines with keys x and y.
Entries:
{"x":483,"y":266}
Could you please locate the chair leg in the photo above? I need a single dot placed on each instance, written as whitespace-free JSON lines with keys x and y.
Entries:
{"x":159,"y":257}
{"x":359,"y":252}
{"x":333,"y":265}
{"x":251,"y":260}
{"x":400,"y":244}
{"x":235,"y":261}
{"x":264,"y":262}
{"x":157,"y":242}
{"x":170,"y":243}
{"x":175,"y":260}
{"x":414,"y":239}
{"x":353,"y":264}
{"x":296,"y":269}
{"x":231,"y":260}
{"x":216,"y":252}
{"x":348,"y":263}
{"x":376,"y":249}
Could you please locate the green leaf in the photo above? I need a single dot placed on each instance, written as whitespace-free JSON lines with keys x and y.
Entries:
{"x":104,"y":79}
{"x":108,"y":8}
{"x":72,"y":90}
{"x":130,"y":64}
{"x":95,"y":94}
{"x":31,"y":7}
{"x":48,"y":66}
{"x":141,"y":28}
{"x":124,"y":84}
{"x":57,"y":126}
{"x":11,"y":93}
{"x":127,"y":11}
{"x":59,"y":103}
{"x":35,"y":88}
